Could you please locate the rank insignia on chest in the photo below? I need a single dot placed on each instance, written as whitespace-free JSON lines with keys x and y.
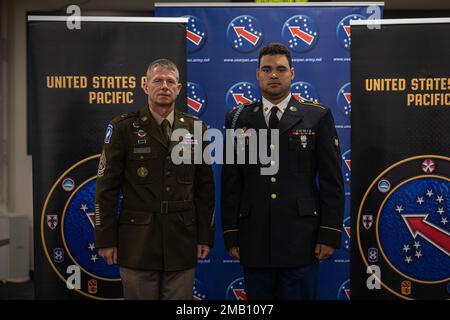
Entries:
{"x":142,"y":141}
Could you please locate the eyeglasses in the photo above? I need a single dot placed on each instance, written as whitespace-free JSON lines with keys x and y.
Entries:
{"x":160,"y":83}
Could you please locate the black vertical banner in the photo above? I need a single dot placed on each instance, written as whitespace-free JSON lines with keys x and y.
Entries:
{"x":78,"y":80}
{"x":400,"y":160}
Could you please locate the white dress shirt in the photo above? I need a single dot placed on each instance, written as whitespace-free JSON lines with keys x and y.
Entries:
{"x":267,"y":106}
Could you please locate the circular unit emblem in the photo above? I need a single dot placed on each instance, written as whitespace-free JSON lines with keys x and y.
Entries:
{"x":67,"y":233}
{"x":403,"y":227}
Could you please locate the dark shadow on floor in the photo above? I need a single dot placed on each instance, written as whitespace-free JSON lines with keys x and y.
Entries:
{"x":17,"y":291}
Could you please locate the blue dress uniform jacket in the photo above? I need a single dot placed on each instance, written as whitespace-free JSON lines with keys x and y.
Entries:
{"x":276,"y":220}
{"x":167,"y":209}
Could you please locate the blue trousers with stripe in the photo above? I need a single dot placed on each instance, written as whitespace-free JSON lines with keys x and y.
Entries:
{"x":299,"y":283}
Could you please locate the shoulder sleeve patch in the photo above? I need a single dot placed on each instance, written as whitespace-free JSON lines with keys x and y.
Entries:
{"x":125,"y":116}
{"x":109,"y":132}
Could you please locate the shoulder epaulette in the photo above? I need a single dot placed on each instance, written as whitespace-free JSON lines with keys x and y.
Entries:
{"x":312,"y":104}
{"x":185,"y":114}
{"x":125,"y":116}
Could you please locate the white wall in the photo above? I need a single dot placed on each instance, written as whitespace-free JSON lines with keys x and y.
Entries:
{"x":3,"y":102}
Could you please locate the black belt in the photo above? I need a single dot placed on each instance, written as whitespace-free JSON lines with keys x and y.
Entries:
{"x":175,"y":206}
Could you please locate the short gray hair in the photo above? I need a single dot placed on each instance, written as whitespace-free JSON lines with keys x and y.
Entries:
{"x":163,"y":63}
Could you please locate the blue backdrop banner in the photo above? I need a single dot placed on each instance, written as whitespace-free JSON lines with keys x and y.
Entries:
{"x":223,"y":43}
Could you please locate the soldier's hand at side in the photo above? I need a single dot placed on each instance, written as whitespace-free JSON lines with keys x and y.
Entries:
{"x":323,"y":251}
{"x":234,"y":252}
{"x":202,"y":251}
{"x":109,"y":254}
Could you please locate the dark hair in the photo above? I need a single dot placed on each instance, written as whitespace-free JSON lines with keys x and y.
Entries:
{"x":273,"y":49}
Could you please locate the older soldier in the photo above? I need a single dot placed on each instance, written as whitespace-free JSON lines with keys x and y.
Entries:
{"x":167,"y":218}
{"x":281,"y":225}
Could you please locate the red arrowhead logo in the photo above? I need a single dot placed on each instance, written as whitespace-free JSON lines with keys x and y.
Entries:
{"x":347,"y":231}
{"x":302,"y":35}
{"x":240,"y":294}
{"x":418,"y":225}
{"x":298,"y":97}
{"x":240,"y":98}
{"x":194,"y":105}
{"x":347,"y":293}
{"x":348,"y":164}
{"x":347,"y":30}
{"x":250,"y":37}
{"x":348,"y":97}
{"x":195,"y":38}
{"x":91,"y":217}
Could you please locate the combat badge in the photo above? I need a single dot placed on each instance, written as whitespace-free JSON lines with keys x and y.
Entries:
{"x":410,"y":238}
{"x":141,"y":133}
{"x":67,"y":227}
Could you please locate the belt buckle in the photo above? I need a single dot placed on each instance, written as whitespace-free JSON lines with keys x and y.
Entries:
{"x":164,"y":207}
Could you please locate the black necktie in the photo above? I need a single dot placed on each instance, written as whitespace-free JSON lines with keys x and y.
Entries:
{"x":273,"y":120}
{"x":166,"y":130}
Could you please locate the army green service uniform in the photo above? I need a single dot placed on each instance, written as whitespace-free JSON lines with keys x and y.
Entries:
{"x":167,"y":209}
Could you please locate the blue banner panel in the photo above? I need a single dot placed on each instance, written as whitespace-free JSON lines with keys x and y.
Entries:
{"x":223,"y":44}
